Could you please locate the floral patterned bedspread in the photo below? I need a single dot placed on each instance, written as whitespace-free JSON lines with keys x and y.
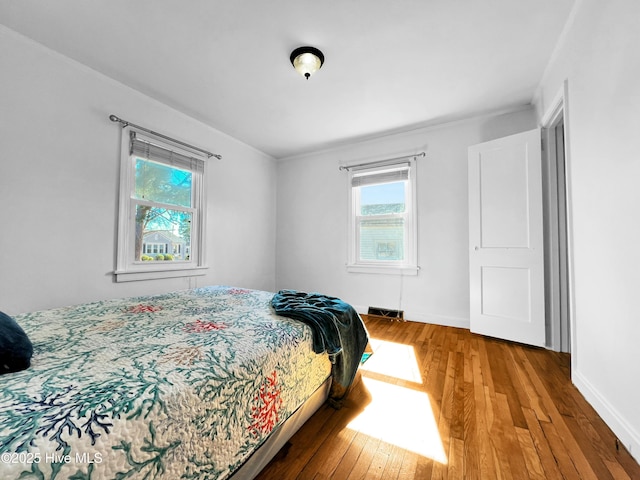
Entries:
{"x":181,"y":385}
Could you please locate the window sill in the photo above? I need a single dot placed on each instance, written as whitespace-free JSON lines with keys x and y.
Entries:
{"x":383,"y":269}
{"x":146,"y":274}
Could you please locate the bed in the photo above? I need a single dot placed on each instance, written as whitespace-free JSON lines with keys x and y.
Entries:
{"x":206,"y":383}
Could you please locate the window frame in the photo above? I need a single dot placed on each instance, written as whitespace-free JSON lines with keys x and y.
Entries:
{"x":407,"y":266}
{"x":127,"y":268}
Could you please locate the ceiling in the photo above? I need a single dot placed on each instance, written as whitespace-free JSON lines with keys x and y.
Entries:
{"x":389,"y":65}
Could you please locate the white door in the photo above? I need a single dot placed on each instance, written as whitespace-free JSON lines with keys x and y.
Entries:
{"x":506,"y":239}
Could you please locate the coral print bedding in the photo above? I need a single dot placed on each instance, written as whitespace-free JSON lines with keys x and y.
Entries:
{"x":178,"y":386}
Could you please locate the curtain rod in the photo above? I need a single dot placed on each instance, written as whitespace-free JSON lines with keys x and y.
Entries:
{"x":124,"y":123}
{"x":381,"y":162}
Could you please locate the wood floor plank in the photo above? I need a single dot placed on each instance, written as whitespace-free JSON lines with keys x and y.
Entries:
{"x":504,"y":438}
{"x":458,"y":400}
{"x":392,"y":468}
{"x":560,"y":453}
{"x":617,"y":471}
{"x":408,"y":467}
{"x":366,"y":457}
{"x":550,"y":399}
{"x":455,"y":470}
{"x":379,"y":461}
{"x":530,"y":454}
{"x":471,"y":447}
{"x":481,"y":432}
{"x":506,"y":381}
{"x":424,"y":468}
{"x":541,"y":443}
{"x":350,"y":458}
{"x":502,"y":411}
{"x":535,"y":401}
{"x":589,"y":444}
{"x":329,"y":455}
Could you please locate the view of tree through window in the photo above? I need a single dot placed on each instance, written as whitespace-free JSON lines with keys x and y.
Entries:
{"x":382,"y":222}
{"x":163,"y":201}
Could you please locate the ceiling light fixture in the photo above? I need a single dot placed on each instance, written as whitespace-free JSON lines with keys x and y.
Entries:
{"x":306,"y":60}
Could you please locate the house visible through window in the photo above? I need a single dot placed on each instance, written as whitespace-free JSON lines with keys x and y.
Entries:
{"x":161,"y":211}
{"x":382,"y":221}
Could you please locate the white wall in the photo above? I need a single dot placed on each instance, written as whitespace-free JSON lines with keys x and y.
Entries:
{"x":59,"y":161}
{"x":313,"y":208}
{"x":599,"y":60}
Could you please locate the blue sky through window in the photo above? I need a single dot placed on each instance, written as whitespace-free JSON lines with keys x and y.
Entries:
{"x":383,"y":194}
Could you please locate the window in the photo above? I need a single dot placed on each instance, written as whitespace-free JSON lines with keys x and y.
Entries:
{"x":161,"y":210}
{"x":383,"y":220}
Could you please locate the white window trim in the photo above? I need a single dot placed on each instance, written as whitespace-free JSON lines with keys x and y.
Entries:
{"x":410,"y":265}
{"x":128,"y":270}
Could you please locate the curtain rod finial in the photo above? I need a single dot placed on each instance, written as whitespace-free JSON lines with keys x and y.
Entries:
{"x":113,"y":118}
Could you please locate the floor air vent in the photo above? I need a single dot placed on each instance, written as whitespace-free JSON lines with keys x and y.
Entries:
{"x":386,"y":313}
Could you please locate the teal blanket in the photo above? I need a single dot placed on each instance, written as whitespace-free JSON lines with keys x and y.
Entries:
{"x":336,"y":329}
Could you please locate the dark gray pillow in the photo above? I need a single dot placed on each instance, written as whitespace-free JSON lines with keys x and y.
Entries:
{"x":15,"y":346}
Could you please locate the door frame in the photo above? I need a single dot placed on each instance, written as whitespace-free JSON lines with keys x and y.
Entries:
{"x":557,"y":339}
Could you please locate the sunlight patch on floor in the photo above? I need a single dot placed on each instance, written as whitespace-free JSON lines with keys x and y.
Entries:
{"x":396,"y":414}
{"x":400,"y":416}
{"x":393,"y":360}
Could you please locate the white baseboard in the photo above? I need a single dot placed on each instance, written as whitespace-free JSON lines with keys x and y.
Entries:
{"x":443,"y":320}
{"x":426,"y":318}
{"x":615,"y":421}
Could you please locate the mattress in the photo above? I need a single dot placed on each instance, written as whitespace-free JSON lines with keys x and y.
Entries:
{"x":182,"y":385}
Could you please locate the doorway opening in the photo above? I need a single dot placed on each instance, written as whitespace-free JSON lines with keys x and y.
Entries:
{"x":557,"y":289}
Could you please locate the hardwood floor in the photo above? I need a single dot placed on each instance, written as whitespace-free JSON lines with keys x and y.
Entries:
{"x":442,"y":403}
